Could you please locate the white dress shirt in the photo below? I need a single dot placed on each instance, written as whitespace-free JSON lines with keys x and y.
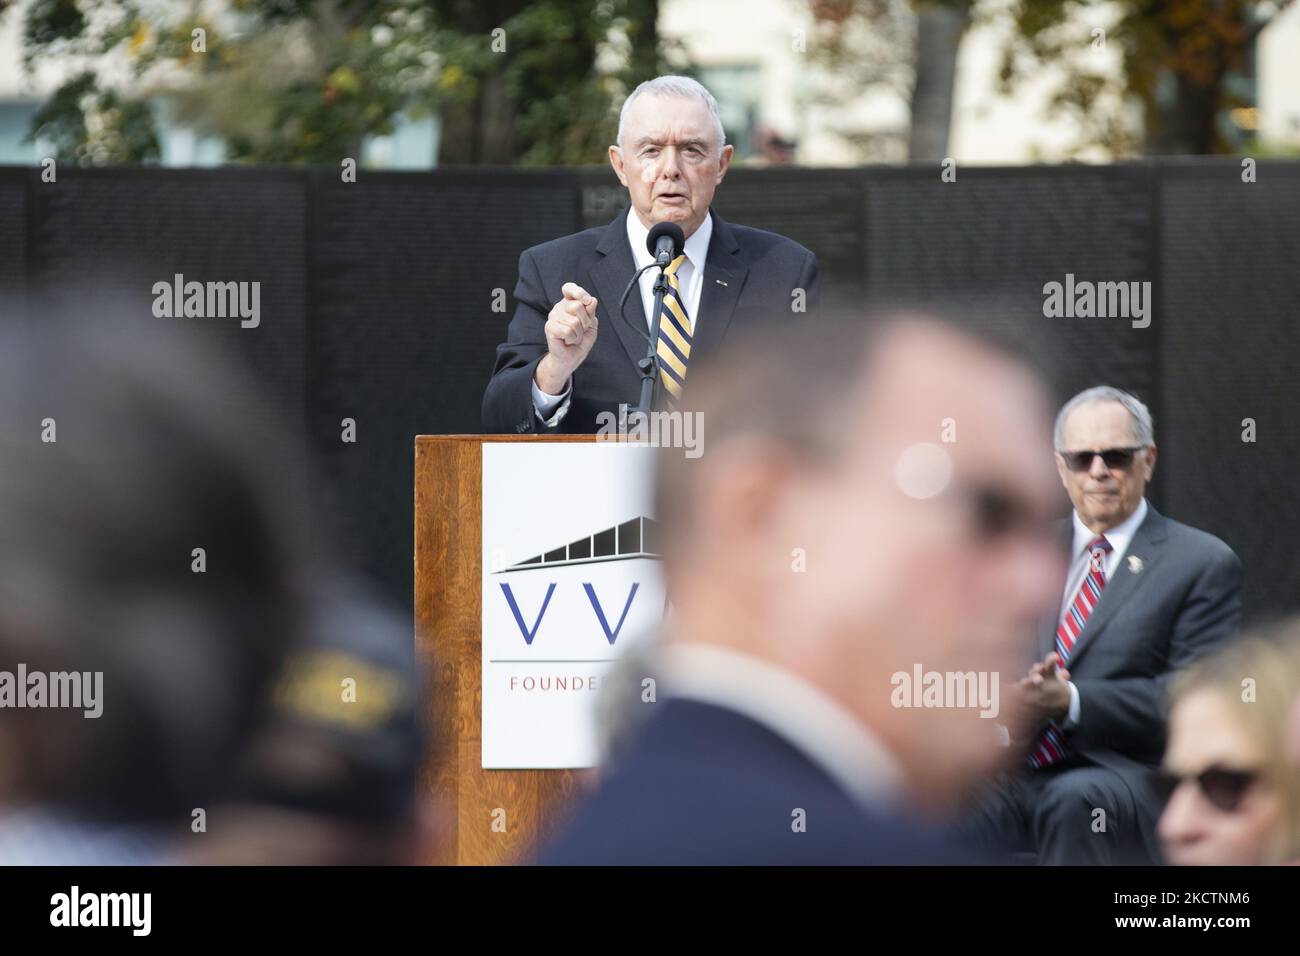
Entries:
{"x":810,"y":721}
{"x":1119,"y":537}
{"x":551,"y":409}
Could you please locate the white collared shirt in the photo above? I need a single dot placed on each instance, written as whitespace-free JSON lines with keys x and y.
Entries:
{"x":690,"y":284}
{"x":690,"y":274}
{"x":810,"y":721}
{"x":1120,"y":537}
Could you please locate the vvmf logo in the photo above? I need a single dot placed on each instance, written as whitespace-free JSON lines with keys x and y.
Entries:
{"x":611,"y":634}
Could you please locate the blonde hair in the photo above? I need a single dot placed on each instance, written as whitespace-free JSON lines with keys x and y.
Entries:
{"x":1269,"y":658}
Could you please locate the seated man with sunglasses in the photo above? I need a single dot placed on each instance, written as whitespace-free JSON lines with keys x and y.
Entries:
{"x":1144,"y":596}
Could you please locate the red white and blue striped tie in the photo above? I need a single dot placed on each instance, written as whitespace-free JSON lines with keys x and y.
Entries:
{"x":1051,"y":744}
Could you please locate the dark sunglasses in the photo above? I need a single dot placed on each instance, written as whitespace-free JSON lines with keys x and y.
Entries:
{"x":998,"y":512}
{"x":1111,"y":457}
{"x":1223,"y":788}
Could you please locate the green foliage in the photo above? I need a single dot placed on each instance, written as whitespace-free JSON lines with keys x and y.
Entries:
{"x":51,"y":20}
{"x":304,"y":81}
{"x":566,"y":113}
{"x":96,"y":127}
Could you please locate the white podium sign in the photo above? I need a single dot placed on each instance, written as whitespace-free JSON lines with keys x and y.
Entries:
{"x":570,"y":578}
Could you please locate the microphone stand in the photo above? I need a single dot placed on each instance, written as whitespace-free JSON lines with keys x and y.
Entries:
{"x":649,"y":365}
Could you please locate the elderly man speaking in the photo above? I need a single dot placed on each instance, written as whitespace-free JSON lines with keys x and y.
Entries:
{"x":569,"y":353}
{"x":1144,"y":596}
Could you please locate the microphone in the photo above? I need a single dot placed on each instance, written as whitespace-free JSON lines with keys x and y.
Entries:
{"x":665,"y":242}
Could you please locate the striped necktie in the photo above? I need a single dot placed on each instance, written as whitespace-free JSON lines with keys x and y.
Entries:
{"x":1051,"y":743}
{"x":674,"y":334}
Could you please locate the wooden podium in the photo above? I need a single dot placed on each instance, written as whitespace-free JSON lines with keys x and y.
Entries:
{"x":448,"y":615}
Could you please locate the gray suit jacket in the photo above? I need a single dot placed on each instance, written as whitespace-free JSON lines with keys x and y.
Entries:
{"x":749,"y":276}
{"x":1175,"y":596}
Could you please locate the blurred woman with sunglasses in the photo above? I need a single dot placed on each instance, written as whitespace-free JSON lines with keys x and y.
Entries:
{"x":1231,"y":769}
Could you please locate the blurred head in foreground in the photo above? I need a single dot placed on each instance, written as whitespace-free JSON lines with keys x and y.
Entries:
{"x":871,"y":507}
{"x":1232,"y":765}
{"x":157,"y":570}
{"x":869,"y":515}
{"x":331,"y":778}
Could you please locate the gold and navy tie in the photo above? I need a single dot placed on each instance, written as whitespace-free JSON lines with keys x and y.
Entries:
{"x":674,"y":334}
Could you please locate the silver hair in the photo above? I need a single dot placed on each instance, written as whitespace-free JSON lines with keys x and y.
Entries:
{"x":1144,"y":432}
{"x":682,"y":86}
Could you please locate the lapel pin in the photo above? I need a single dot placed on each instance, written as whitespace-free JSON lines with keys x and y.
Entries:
{"x":1135,"y":564}
{"x":720,"y":282}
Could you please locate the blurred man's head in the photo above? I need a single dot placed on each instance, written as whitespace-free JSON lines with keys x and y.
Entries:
{"x":1234,"y":780}
{"x":1105,"y":454}
{"x":333,"y":776}
{"x":869,"y":500}
{"x":671,"y":152}
{"x":125,"y":452}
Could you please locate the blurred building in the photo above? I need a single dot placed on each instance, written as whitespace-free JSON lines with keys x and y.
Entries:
{"x":747,"y":53}
{"x":1278,"y":71}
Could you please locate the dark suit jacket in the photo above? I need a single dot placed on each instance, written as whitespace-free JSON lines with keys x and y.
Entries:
{"x":760,"y":269}
{"x":699,"y":784}
{"x":1181,"y":601}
